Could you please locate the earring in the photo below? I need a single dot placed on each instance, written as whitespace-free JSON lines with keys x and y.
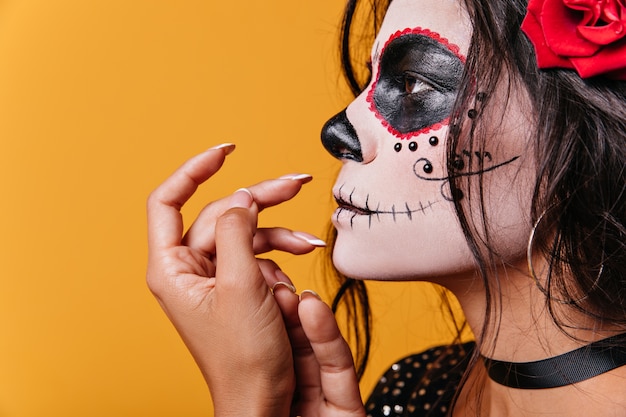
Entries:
{"x":531,"y":269}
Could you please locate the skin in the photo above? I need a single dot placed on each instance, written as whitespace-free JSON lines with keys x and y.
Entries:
{"x":272,"y":353}
{"x":400,"y":200}
{"x":209,"y":278}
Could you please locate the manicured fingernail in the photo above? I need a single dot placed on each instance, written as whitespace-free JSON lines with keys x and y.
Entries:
{"x":283,"y":277}
{"x":310,"y":239}
{"x":283,"y":284}
{"x":227,"y":147}
{"x":307,"y":293}
{"x":304,"y":178}
{"x":241,"y":198}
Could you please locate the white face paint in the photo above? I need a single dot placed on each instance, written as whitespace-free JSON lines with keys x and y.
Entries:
{"x":395,"y":218}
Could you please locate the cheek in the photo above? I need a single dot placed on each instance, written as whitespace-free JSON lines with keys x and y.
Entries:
{"x":414,"y":232}
{"x":508,"y":209}
{"x":411,"y":231}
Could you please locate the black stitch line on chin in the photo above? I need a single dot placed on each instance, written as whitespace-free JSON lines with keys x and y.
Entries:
{"x":393,"y":212}
{"x":367,"y":208}
{"x":408,"y":211}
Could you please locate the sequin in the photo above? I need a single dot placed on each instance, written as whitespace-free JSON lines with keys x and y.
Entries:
{"x":408,"y":389}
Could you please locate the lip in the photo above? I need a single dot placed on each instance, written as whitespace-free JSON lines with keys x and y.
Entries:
{"x":349,"y":206}
{"x":345,"y":202}
{"x":348,"y":209}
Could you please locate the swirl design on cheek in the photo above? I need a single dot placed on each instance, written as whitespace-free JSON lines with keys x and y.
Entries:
{"x":424,"y":167}
{"x":417,"y":82}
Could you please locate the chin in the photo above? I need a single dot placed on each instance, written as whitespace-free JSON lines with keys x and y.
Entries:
{"x":372,"y":265}
{"x":374,"y":260}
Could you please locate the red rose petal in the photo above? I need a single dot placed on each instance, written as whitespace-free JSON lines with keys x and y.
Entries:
{"x":611,"y":59}
{"x":532,"y":28}
{"x":559,"y":25}
{"x":603,"y":35}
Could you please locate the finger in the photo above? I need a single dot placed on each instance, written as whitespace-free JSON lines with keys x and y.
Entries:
{"x":278,"y":238}
{"x":283,"y":290}
{"x":337,"y":380}
{"x":272,"y":273}
{"x":165,"y":224}
{"x":237,"y":271}
{"x":201,"y":234}
{"x":270,"y":193}
{"x":305,"y":364}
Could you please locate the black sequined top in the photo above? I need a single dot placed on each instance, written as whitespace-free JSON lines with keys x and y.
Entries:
{"x":420,"y":385}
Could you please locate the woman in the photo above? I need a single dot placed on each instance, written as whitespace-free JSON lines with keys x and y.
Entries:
{"x":464,"y":164}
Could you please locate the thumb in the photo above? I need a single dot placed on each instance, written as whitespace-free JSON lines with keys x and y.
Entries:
{"x":237,"y":271}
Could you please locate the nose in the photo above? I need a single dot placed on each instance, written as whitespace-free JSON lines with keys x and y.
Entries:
{"x":340,"y":139}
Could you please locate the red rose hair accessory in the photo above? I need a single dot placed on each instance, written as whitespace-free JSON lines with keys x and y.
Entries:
{"x":586,"y":35}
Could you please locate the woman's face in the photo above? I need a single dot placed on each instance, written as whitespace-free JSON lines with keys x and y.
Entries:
{"x":395,"y":217}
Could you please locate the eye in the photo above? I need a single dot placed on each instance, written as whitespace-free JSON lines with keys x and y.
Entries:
{"x":413,"y":84}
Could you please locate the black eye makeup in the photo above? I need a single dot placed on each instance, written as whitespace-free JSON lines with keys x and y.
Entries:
{"x":417,"y":82}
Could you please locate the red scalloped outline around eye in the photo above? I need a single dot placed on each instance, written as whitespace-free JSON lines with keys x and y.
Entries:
{"x":370,"y":95}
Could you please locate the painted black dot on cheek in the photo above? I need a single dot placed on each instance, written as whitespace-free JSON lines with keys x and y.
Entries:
{"x":472,"y":113}
{"x":457,"y":195}
{"x":413,"y":146}
{"x":397,"y":147}
{"x":428,"y":168}
{"x":433,"y":140}
{"x":457,"y":165}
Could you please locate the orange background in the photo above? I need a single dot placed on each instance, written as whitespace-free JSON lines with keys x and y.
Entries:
{"x":99,"y":102}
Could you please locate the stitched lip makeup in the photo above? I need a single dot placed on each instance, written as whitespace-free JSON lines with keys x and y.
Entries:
{"x":348,"y":210}
{"x":344,"y":205}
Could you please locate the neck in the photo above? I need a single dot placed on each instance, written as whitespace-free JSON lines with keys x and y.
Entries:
{"x":525,"y":331}
{"x":521,"y":328}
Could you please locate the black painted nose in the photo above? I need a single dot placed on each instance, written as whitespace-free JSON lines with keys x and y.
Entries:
{"x":340,"y":139}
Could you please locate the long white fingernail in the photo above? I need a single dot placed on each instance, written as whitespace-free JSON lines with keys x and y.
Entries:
{"x":283,"y":284}
{"x":307,"y":293}
{"x":241,"y":198}
{"x":227,"y":147}
{"x":297,"y":177}
{"x":310,"y":239}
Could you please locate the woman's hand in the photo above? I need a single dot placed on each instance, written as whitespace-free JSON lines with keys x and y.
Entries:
{"x":217,"y":294}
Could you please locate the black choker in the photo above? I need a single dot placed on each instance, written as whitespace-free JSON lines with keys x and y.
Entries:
{"x":569,"y":368}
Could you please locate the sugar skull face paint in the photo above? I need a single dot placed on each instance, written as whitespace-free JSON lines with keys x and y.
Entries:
{"x":395,"y":217}
{"x":417,"y":82}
